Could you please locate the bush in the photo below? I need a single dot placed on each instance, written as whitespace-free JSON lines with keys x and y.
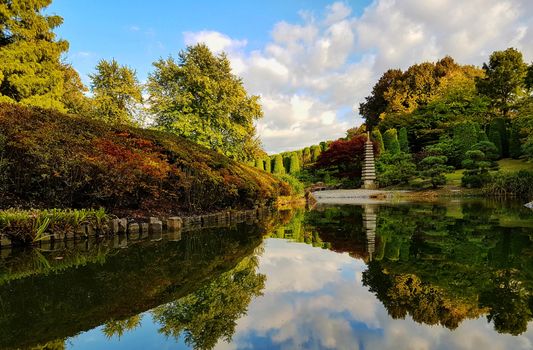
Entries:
{"x":378,"y":139}
{"x":294,"y":164}
{"x":403,"y":141}
{"x":277,"y":165}
{"x":63,"y":160}
{"x":518,"y":184}
{"x":394,"y":168}
{"x":296,"y":186}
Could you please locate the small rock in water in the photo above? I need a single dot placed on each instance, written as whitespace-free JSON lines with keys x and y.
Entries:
{"x":529,"y":205}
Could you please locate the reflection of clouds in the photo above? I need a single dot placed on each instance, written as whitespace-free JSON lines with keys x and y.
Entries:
{"x":314,"y":299}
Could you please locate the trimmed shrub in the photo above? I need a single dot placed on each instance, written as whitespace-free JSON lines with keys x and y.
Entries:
{"x":315,"y":153}
{"x":294,"y":165}
{"x":378,"y":139}
{"x":267,"y":165}
{"x":390,"y":140}
{"x":259,"y":164}
{"x":402,"y":139}
{"x":515,"y":150}
{"x":277,"y":165}
{"x":296,"y":186}
{"x":476,"y":172}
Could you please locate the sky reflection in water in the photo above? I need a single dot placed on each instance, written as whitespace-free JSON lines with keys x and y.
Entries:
{"x":314,"y":298}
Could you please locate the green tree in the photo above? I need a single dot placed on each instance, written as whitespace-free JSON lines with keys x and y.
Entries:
{"x":74,"y":99}
{"x":378,"y":138}
{"x":529,"y":77}
{"x":306,"y":156}
{"x":277,"y":165}
{"x":514,"y":143}
{"x":476,"y":172}
{"x":294,"y":165}
{"x":31,"y":72}
{"x":376,"y":103}
{"x":390,"y":139}
{"x":199,"y":98}
{"x":402,"y":139}
{"x":211,"y":312}
{"x":433,"y":168}
{"x":505,"y":76}
{"x":117,"y":92}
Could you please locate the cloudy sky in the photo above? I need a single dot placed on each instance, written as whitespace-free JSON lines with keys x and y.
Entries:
{"x":312,"y":62}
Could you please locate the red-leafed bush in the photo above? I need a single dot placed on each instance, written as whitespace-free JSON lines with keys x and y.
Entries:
{"x":344,"y":157}
{"x":51,"y":159}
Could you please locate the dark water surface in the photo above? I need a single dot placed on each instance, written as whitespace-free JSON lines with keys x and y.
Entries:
{"x":456,"y":275}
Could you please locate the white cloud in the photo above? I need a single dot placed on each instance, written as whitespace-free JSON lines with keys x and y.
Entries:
{"x":313,"y":71}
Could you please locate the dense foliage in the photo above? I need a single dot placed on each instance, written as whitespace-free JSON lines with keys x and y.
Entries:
{"x":198,"y":97}
{"x":52,"y":159}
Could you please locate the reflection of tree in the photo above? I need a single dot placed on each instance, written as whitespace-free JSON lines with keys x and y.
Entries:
{"x":509,"y":303}
{"x":443,"y":264}
{"x":119,"y":327}
{"x":211,"y":312}
{"x":58,"y":344}
{"x":406,"y":294}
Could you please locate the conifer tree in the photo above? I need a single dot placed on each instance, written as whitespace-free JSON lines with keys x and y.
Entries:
{"x":390,"y":139}
{"x":267,"y":165}
{"x":514,"y":144}
{"x":30,"y":55}
{"x":402,"y":139}
{"x":376,"y":135}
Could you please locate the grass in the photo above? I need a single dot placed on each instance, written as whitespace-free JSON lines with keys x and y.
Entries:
{"x":505,"y":165}
{"x":27,"y":226}
{"x":514,"y":165}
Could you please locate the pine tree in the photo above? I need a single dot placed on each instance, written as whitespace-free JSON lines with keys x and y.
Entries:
{"x":390,"y":139}
{"x":294,"y":166}
{"x":277,"y":166}
{"x":31,"y":71}
{"x":402,"y":139}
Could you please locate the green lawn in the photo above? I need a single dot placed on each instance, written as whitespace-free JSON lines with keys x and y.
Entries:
{"x":513,"y":165}
{"x":507,"y":164}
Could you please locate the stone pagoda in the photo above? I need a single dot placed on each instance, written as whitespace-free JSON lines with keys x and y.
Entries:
{"x":369,"y":167}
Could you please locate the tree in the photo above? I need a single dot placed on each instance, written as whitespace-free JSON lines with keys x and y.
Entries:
{"x":31,"y":72}
{"x":277,"y":165}
{"x":433,"y":168}
{"x":514,"y":143}
{"x":117,"y":92}
{"x":394,"y":168}
{"x":343,"y":157}
{"x":529,"y":77}
{"x":402,"y":139}
{"x":390,"y":139}
{"x":294,"y":165}
{"x":476,"y":172}
{"x":378,"y":139}
{"x":376,"y":104}
{"x":199,"y":98}
{"x":306,"y":156}
{"x":505,"y":78}
{"x":74,"y":99}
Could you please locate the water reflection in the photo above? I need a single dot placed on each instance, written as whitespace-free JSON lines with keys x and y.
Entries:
{"x":428,"y":276}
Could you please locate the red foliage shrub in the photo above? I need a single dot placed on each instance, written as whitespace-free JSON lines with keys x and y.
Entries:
{"x":344,"y":156}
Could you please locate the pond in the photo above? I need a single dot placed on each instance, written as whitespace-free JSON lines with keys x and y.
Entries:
{"x":454,"y":275}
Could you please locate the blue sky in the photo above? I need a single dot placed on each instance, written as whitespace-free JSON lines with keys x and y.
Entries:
{"x":311,"y":62}
{"x":137,"y":32}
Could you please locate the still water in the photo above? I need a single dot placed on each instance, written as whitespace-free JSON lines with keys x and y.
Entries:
{"x":456,"y":275}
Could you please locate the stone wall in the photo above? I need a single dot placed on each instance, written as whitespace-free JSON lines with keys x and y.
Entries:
{"x":123,"y":229}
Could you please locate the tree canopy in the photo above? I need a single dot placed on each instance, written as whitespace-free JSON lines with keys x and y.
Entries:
{"x":31,"y":72}
{"x":198,"y":97}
